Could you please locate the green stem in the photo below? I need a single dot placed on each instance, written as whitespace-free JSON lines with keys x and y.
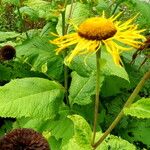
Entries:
{"x":63,"y":22}
{"x":23,"y":28}
{"x":64,"y":54}
{"x":64,"y":31}
{"x":97,"y":94}
{"x":127,"y":104}
{"x":70,"y":15}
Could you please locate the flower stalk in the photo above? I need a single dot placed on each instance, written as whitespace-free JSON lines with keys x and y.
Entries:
{"x":98,"y":54}
{"x":64,"y":32}
{"x":64,"y":54}
{"x":127,"y":104}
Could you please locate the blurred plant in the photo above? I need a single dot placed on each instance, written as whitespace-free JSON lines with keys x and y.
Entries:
{"x":142,"y":50}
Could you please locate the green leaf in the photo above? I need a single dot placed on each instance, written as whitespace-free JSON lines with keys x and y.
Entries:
{"x":5,"y":36}
{"x":37,"y":124}
{"x":137,"y":131}
{"x":6,"y":126}
{"x":113,"y":85}
{"x":108,"y":67}
{"x":84,"y":68}
{"x":30,"y":97}
{"x":40,"y":6}
{"x":102,"y":6}
{"x":29,"y":12}
{"x":143,"y":8}
{"x":14,"y":69}
{"x":38,"y":51}
{"x":82,"y":89}
{"x":115,"y":143}
{"x":54,"y":144}
{"x":139,"y":109}
{"x":113,"y":106}
{"x":114,"y":75}
{"x":82,"y":135}
{"x":48,"y":28}
{"x":4,"y":72}
{"x":79,"y":13}
{"x":61,"y":129}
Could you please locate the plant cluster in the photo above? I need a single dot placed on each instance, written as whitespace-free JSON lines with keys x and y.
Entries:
{"x":77,"y":72}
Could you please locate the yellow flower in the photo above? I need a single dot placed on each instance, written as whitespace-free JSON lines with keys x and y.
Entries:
{"x":95,"y":31}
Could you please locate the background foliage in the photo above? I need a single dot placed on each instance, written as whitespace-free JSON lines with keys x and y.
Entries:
{"x":31,"y":85}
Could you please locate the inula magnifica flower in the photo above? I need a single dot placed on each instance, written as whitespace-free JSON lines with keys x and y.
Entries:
{"x":117,"y":36}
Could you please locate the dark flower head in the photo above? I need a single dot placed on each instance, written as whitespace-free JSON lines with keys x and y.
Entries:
{"x":23,"y":139}
{"x":7,"y":52}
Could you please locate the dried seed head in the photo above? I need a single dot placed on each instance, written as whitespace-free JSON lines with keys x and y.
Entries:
{"x":7,"y":52}
{"x":23,"y":139}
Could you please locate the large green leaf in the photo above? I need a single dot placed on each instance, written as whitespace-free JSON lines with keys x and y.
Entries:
{"x":139,"y":109}
{"x":85,"y":67}
{"x":114,"y":75}
{"x":30,"y":97}
{"x":40,"y":54}
{"x":82,"y":88}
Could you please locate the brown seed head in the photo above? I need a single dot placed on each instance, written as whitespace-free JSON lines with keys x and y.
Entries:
{"x":23,"y":139}
{"x":7,"y":52}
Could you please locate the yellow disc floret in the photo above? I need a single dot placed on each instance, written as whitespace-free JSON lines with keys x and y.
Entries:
{"x":97,"y":28}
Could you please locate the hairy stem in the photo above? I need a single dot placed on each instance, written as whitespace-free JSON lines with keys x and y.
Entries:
{"x":97,"y":94}
{"x":127,"y":104}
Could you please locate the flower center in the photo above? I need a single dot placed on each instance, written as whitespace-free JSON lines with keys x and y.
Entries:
{"x":97,"y":28}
